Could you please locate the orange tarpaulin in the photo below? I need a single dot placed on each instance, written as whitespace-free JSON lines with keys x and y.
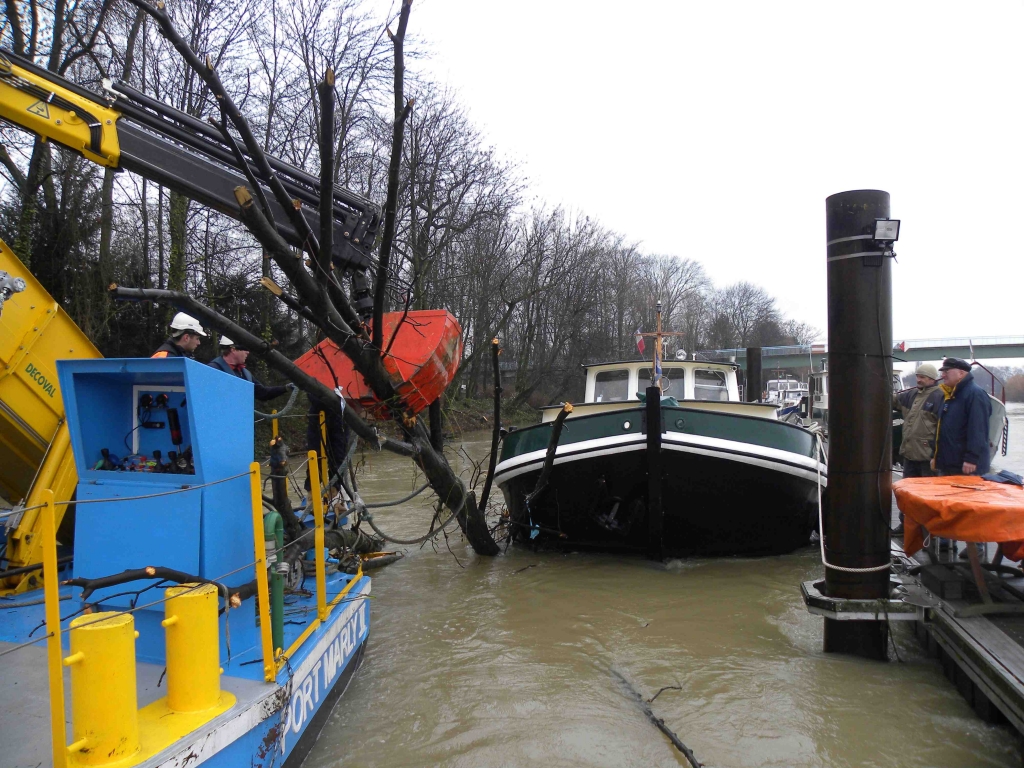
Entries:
{"x":963,"y":508}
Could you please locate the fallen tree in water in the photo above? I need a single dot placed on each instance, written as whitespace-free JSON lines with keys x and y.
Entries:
{"x":319,"y":296}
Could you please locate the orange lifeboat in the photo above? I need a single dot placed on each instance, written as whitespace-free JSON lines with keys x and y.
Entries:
{"x":422,"y":360}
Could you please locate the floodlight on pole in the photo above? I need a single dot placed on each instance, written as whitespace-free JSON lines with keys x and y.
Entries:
{"x":887,"y":230}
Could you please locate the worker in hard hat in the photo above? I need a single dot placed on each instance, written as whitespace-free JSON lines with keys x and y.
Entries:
{"x":186,"y":333}
{"x":232,"y":361}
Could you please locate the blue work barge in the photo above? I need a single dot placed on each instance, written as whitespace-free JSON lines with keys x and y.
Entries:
{"x":167,"y":645}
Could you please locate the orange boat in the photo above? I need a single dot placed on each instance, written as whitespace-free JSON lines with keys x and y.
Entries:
{"x":422,"y":360}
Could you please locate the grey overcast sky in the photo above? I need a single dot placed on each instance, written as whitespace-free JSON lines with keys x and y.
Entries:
{"x":715,"y":131}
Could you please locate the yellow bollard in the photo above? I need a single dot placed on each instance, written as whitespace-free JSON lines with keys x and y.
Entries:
{"x":193,"y":648}
{"x":104,"y":717}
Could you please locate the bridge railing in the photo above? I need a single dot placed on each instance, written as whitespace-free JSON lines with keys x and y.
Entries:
{"x":964,"y":341}
{"x":793,"y":349}
{"x":978,"y":342}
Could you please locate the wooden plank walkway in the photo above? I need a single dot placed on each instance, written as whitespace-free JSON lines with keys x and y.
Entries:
{"x":982,"y":655}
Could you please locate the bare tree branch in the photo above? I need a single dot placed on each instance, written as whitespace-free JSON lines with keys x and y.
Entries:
{"x":391,"y":204}
{"x":12,"y":168}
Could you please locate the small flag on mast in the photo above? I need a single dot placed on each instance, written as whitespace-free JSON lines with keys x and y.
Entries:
{"x":640,"y":341}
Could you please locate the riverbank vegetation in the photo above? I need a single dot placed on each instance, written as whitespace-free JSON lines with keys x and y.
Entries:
{"x":556,"y":286}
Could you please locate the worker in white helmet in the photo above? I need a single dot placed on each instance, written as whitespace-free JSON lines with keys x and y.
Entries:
{"x":186,"y":333}
{"x":232,"y":361}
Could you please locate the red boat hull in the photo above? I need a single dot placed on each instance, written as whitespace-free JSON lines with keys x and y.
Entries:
{"x":422,"y":360}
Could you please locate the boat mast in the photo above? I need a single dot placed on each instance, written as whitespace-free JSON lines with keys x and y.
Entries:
{"x":657,"y":352}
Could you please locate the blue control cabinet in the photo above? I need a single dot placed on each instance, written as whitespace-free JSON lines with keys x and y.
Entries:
{"x":129,"y":406}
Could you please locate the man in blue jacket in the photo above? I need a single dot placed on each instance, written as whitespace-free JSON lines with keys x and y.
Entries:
{"x":962,"y":447}
{"x":232,"y":361}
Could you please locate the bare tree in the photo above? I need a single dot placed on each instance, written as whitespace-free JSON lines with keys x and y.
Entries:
{"x":320,"y":298}
{"x":747,"y":307}
{"x":453,"y":185}
{"x":797,"y":332}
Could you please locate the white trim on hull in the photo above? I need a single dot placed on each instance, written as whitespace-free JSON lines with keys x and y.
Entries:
{"x":731,"y":450}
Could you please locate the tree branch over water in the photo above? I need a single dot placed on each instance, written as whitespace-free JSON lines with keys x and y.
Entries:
{"x":320,"y":294}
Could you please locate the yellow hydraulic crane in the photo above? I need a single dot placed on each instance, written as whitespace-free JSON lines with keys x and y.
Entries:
{"x":35,"y":449}
{"x":126,"y":130}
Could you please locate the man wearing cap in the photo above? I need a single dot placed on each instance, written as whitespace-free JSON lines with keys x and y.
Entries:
{"x":921,"y":408}
{"x":232,"y":361}
{"x":186,"y":333}
{"x":962,"y":446}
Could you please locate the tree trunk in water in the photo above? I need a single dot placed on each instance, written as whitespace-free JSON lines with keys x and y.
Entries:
{"x":437,"y":425}
{"x":452,"y":491}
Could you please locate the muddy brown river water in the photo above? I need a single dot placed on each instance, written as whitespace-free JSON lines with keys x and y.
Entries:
{"x":508,"y":661}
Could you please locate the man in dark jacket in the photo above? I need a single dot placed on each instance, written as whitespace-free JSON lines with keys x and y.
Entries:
{"x":232,"y":360}
{"x":962,"y":447}
{"x":921,"y":408}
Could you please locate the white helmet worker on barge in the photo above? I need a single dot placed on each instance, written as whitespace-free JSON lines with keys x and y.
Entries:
{"x":186,"y":334}
{"x":232,"y":361}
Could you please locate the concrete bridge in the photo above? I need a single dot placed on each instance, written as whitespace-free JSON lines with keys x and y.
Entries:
{"x":904,"y":350}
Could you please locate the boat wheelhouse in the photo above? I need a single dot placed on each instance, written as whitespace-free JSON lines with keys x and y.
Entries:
{"x":612,"y":386}
{"x":785,"y":391}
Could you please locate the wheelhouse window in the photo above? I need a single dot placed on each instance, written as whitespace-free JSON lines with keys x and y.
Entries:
{"x":671,"y":381}
{"x":611,"y":386}
{"x":710,"y":385}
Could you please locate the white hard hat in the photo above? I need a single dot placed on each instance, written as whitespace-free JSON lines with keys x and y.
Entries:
{"x":183,"y":322}
{"x":226,"y":342}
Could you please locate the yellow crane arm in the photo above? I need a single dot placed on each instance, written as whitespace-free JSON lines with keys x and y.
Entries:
{"x":126,"y":129}
{"x":56,"y":113}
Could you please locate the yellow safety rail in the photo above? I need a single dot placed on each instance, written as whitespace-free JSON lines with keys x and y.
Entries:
{"x":318,"y":518}
{"x":51,"y":594}
{"x":262,"y":587}
{"x":324,"y":608}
